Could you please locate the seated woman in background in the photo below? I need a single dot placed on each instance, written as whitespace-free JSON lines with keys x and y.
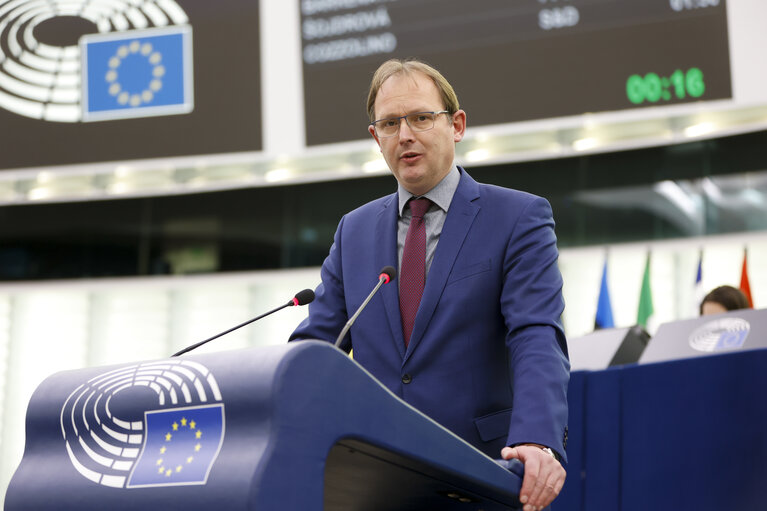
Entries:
{"x":723,"y":299}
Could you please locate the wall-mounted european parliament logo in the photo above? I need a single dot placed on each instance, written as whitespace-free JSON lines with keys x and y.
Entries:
{"x":720,"y":334}
{"x":137,"y":73}
{"x":152,"y":424}
{"x":43,"y":78}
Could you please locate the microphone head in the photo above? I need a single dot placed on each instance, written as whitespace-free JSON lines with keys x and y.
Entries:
{"x":304,"y":297}
{"x":389,"y":272}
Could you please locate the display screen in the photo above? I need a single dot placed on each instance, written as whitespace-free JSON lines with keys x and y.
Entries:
{"x":513,"y":61}
{"x":106,"y":81}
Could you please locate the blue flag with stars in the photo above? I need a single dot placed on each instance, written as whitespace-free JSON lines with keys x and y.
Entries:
{"x":137,"y":73}
{"x":604,"y":317}
{"x":180,"y":446}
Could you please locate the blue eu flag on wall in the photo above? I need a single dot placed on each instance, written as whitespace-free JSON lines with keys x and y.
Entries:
{"x":137,"y":73}
{"x":180,"y":446}
{"x":604,"y":316}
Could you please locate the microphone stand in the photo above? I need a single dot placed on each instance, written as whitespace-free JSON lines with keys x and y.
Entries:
{"x":302,"y":298}
{"x":387,"y":273}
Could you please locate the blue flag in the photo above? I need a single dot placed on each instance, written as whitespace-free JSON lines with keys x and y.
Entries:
{"x":699,"y":273}
{"x":604,"y":317}
{"x":180,"y":446}
{"x":137,"y":73}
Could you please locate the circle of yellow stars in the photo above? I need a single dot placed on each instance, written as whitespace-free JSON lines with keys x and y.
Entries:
{"x":158,"y":71}
{"x":192,"y":425}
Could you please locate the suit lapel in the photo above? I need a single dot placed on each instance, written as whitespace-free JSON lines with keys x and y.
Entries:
{"x":386,"y":255}
{"x":460,"y":216}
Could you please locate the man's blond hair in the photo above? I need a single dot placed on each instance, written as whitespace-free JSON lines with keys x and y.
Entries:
{"x":408,"y":67}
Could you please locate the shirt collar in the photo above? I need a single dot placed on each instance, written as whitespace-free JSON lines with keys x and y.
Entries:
{"x":441,"y":194}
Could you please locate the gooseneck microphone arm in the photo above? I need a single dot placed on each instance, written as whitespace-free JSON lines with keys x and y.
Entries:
{"x":301,"y":298}
{"x":387,"y":275}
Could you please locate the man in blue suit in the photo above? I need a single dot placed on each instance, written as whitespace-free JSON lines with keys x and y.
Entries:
{"x":481,"y":350}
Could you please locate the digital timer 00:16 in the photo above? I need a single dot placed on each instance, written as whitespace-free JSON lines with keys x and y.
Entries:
{"x":653,"y":88}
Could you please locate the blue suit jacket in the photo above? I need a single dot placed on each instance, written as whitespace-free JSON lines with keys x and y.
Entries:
{"x":487,"y":357}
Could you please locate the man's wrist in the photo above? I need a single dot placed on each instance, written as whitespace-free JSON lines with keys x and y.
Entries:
{"x":547,"y":450}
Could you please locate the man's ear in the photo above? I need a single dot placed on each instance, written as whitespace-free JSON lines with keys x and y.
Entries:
{"x":372,"y":132}
{"x":459,"y":125}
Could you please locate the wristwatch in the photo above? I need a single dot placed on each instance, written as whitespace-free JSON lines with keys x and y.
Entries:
{"x":551,"y":453}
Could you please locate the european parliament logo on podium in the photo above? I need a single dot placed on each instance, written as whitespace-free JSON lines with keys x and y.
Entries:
{"x":150,"y":424}
{"x":138,"y":73}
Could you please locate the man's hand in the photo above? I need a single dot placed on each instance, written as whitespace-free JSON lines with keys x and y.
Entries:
{"x":544,"y":476}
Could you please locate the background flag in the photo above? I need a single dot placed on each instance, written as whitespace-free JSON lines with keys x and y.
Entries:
{"x":645,"y":310}
{"x":744,"y":284}
{"x":604,"y":317}
{"x":698,"y":292}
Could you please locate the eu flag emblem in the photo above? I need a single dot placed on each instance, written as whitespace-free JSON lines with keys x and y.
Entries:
{"x":137,"y":73}
{"x":180,"y":446}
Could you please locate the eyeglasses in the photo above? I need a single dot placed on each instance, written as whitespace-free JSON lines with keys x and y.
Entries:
{"x":419,"y":121}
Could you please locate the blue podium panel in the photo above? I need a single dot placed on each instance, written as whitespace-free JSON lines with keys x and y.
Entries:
{"x":695,"y":434}
{"x":571,"y":497}
{"x":602,"y":440}
{"x":298,"y":426}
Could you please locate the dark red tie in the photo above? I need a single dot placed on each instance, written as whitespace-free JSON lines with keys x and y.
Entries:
{"x":413,"y":271}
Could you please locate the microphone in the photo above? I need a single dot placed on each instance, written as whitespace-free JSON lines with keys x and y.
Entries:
{"x":302,"y":298}
{"x":387,"y":275}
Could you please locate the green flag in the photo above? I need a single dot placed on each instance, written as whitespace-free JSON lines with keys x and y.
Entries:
{"x":645,"y":297}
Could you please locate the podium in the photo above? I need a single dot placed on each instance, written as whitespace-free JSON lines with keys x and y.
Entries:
{"x":292,"y":427}
{"x":660,"y":435}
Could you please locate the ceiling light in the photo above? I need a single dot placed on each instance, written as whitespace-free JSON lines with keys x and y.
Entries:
{"x":584,"y":144}
{"x":377,"y":165}
{"x":697,"y":130}
{"x":477,"y":155}
{"x":277,"y":175}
